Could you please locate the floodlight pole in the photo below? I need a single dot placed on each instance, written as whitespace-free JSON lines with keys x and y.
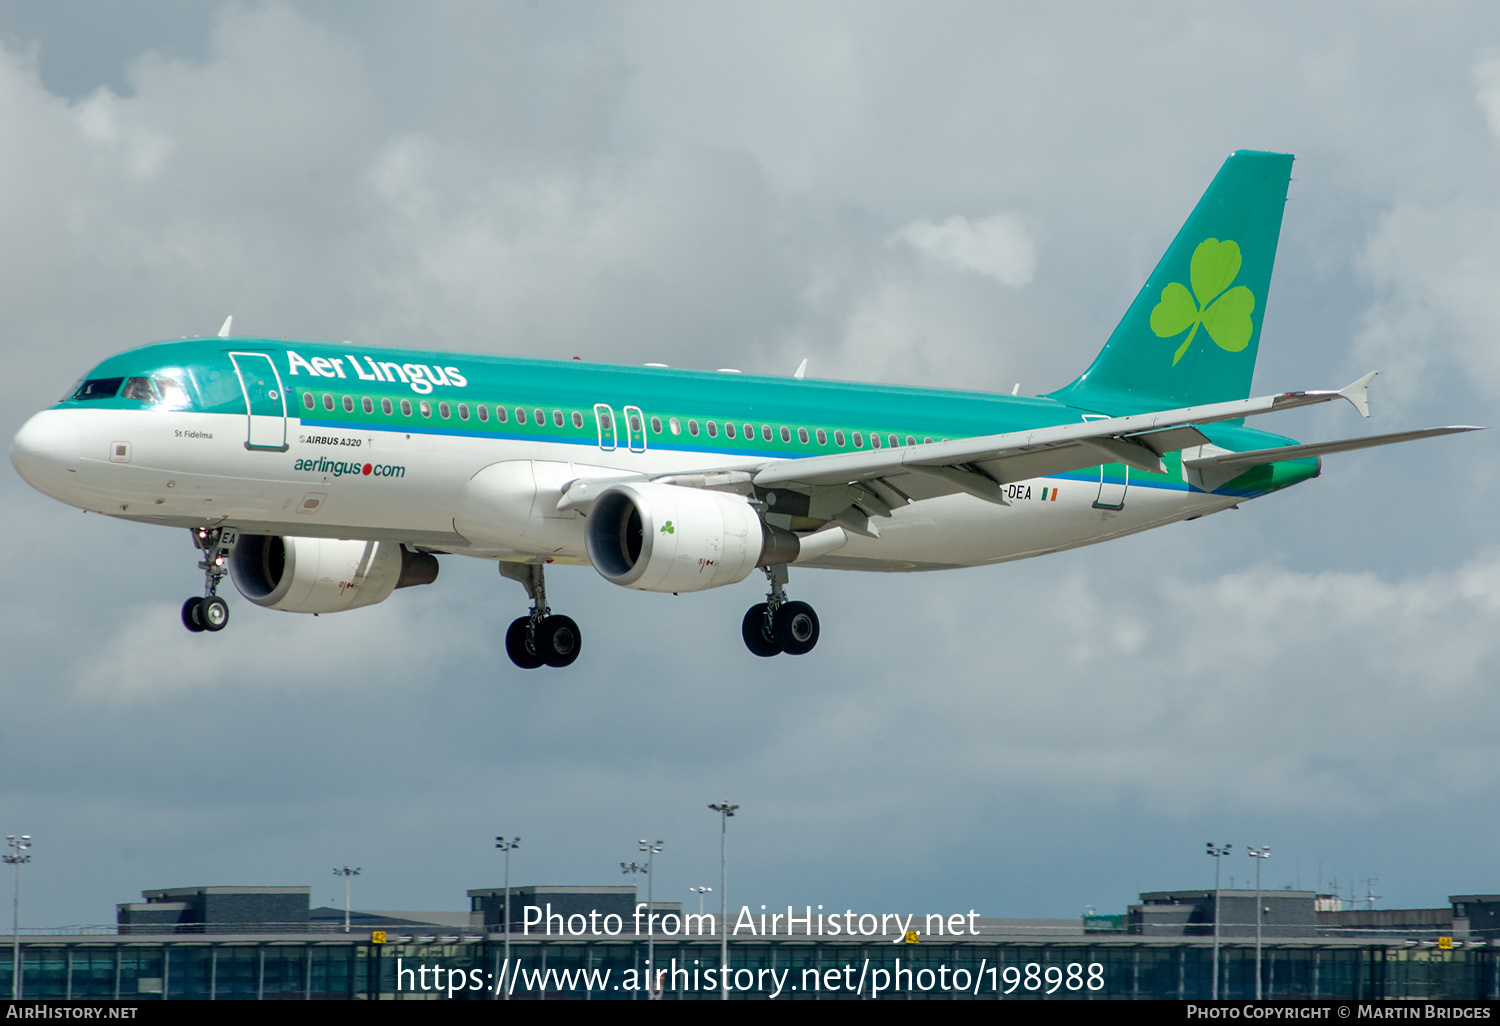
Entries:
{"x":1264,"y":852}
{"x":725,"y":810}
{"x":650,"y":848}
{"x":507,"y":845}
{"x":17,"y":858}
{"x":346,"y":873}
{"x":700,"y":891}
{"x":1217,"y":854}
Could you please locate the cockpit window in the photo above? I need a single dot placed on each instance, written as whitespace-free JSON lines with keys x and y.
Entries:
{"x":139,"y":388}
{"x":171,"y":390}
{"x":98,"y":388}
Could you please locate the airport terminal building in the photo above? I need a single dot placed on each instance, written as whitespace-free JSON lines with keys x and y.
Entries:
{"x":597,"y":943}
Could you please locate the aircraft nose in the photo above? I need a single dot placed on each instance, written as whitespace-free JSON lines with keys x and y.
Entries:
{"x":46,"y":451}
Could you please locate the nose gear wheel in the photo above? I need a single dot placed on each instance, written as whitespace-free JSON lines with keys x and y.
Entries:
{"x":209,"y":612}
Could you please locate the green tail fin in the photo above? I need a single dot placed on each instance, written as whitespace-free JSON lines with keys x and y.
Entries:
{"x":1191,"y":335}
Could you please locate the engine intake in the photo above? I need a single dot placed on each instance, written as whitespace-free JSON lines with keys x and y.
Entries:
{"x":324,"y":575}
{"x":657,"y":537}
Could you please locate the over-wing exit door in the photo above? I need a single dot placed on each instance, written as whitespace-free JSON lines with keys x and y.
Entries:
{"x":604,"y":415}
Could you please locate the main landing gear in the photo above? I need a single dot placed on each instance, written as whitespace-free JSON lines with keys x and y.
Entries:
{"x":210,"y":613}
{"x":539,"y":638}
{"x":776,"y":625}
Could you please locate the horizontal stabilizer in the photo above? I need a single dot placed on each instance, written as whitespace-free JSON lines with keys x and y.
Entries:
{"x":1210,"y":471}
{"x":1297,"y":452}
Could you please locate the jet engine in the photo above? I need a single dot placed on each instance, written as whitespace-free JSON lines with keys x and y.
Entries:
{"x":658,"y":537}
{"x":324,"y":575}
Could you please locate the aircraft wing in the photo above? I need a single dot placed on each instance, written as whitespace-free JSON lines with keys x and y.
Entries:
{"x":1138,"y":440}
{"x":878,"y":480}
{"x":849,"y":487}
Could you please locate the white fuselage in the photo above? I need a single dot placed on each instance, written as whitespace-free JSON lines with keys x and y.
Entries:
{"x":193,"y":469}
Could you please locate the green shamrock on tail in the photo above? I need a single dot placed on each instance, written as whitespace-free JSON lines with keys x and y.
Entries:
{"x":1225,"y":315}
{"x":667,"y":528}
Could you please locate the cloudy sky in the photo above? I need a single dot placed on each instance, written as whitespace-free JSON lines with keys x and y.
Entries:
{"x":947,"y":194}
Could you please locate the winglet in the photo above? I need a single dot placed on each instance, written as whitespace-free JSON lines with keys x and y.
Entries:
{"x":801,"y":369}
{"x":1358,"y":393}
{"x":224,"y":331}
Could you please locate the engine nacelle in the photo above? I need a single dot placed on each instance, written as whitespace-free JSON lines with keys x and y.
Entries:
{"x":658,"y":537}
{"x":324,"y":575}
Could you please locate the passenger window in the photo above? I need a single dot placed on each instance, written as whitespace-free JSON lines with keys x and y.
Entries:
{"x":786,"y":433}
{"x":838,"y":439}
{"x":98,"y":388}
{"x":541,"y":418}
{"x":822,"y":437}
{"x":557,"y":418}
{"x":606,"y":421}
{"x":894,"y":441}
{"x":385,"y":407}
{"x":859,"y":440}
{"x":656,"y":425}
{"x":728,"y":429}
{"x":765,"y":432}
{"x":501,"y":414}
{"x":348,"y":404}
{"x":368,"y":404}
{"x":927,"y":440}
{"x":425,"y":407}
{"x":443,"y":410}
{"x":693,"y":428}
{"x":874,"y":440}
{"x":578,"y":421}
{"x":308,"y":400}
{"x":675,"y":425}
{"x":406,"y":407}
{"x":139,"y":388}
{"x":713,"y":430}
{"x":520,"y":415}
{"x":910,"y":440}
{"x":749,"y":432}
{"x":484,"y":414}
{"x":463,"y":411}
{"x":802,"y":435}
{"x":327,"y":401}
{"x":635,"y":424}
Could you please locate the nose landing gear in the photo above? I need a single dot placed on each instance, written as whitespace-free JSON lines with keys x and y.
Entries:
{"x":210,"y":613}
{"x":539,"y":638}
{"x":776,"y":625}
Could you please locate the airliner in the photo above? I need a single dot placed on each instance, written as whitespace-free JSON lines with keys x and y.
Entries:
{"x":322,"y":477}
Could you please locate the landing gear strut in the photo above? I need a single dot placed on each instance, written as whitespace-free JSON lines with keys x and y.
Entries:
{"x":539,"y":638}
{"x":776,"y":625}
{"x":210,"y":613}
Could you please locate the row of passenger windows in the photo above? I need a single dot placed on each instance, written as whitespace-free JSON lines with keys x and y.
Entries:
{"x":674,"y":425}
{"x":444,"y":410}
{"x":711,"y":428}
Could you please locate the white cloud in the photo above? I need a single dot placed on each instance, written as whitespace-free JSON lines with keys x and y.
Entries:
{"x":998,"y":246}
